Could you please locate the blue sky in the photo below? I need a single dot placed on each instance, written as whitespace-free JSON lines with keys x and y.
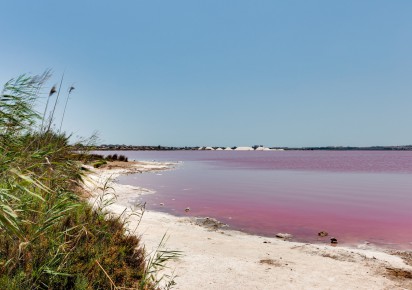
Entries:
{"x":221,"y":73}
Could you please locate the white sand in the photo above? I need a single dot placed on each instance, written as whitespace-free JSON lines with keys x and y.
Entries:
{"x":234,"y":260}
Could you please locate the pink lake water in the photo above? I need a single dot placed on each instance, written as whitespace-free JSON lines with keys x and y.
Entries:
{"x":356,"y":196}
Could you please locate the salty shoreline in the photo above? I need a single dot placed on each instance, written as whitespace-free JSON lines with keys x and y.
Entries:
{"x":230,"y":259}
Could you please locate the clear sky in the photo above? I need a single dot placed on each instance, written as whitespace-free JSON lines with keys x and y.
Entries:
{"x":221,"y":73}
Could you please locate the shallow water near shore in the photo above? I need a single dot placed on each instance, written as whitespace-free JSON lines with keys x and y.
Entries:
{"x":356,"y":196}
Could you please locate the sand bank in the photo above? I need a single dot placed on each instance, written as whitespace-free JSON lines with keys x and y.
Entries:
{"x":216,"y":259}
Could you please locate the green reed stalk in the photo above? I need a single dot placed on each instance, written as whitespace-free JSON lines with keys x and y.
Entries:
{"x":65,"y":106}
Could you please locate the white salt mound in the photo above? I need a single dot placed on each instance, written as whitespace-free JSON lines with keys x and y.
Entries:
{"x":245,"y":148}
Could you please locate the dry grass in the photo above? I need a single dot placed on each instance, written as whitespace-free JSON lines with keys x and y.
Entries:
{"x":405,"y":255}
{"x":399,"y":273}
{"x":270,"y":262}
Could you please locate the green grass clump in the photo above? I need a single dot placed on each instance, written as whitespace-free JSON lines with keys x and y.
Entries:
{"x":99,"y":163}
{"x":50,"y":238}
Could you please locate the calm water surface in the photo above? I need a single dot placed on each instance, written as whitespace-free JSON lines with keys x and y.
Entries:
{"x":356,"y":196}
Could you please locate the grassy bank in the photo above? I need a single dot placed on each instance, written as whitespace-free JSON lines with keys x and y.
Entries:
{"x":50,"y":238}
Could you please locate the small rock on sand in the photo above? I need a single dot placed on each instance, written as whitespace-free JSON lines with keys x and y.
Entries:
{"x":284,"y":236}
{"x":210,"y":223}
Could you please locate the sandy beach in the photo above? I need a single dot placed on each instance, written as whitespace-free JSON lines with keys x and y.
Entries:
{"x":225,"y":259}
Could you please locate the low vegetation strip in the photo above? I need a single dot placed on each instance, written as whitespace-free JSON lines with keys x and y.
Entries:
{"x":50,"y":238}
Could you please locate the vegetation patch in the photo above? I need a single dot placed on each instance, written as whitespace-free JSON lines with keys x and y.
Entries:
{"x":99,"y":163}
{"x":50,"y":237}
{"x":399,"y":273}
{"x":116,"y":157}
{"x":270,"y":262}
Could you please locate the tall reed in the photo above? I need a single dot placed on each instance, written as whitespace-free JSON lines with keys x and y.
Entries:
{"x":65,"y":106}
{"x":55,"y":104}
{"x":50,"y":237}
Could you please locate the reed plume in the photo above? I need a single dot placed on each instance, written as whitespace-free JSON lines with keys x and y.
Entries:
{"x":51,"y":93}
{"x":55,"y":104}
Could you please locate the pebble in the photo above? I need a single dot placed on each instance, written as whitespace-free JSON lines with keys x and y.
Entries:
{"x":322,"y":234}
{"x":187,"y":209}
{"x":333,"y":241}
{"x":284,"y":236}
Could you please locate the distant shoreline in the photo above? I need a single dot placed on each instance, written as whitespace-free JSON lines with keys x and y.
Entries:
{"x":191,"y":148}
